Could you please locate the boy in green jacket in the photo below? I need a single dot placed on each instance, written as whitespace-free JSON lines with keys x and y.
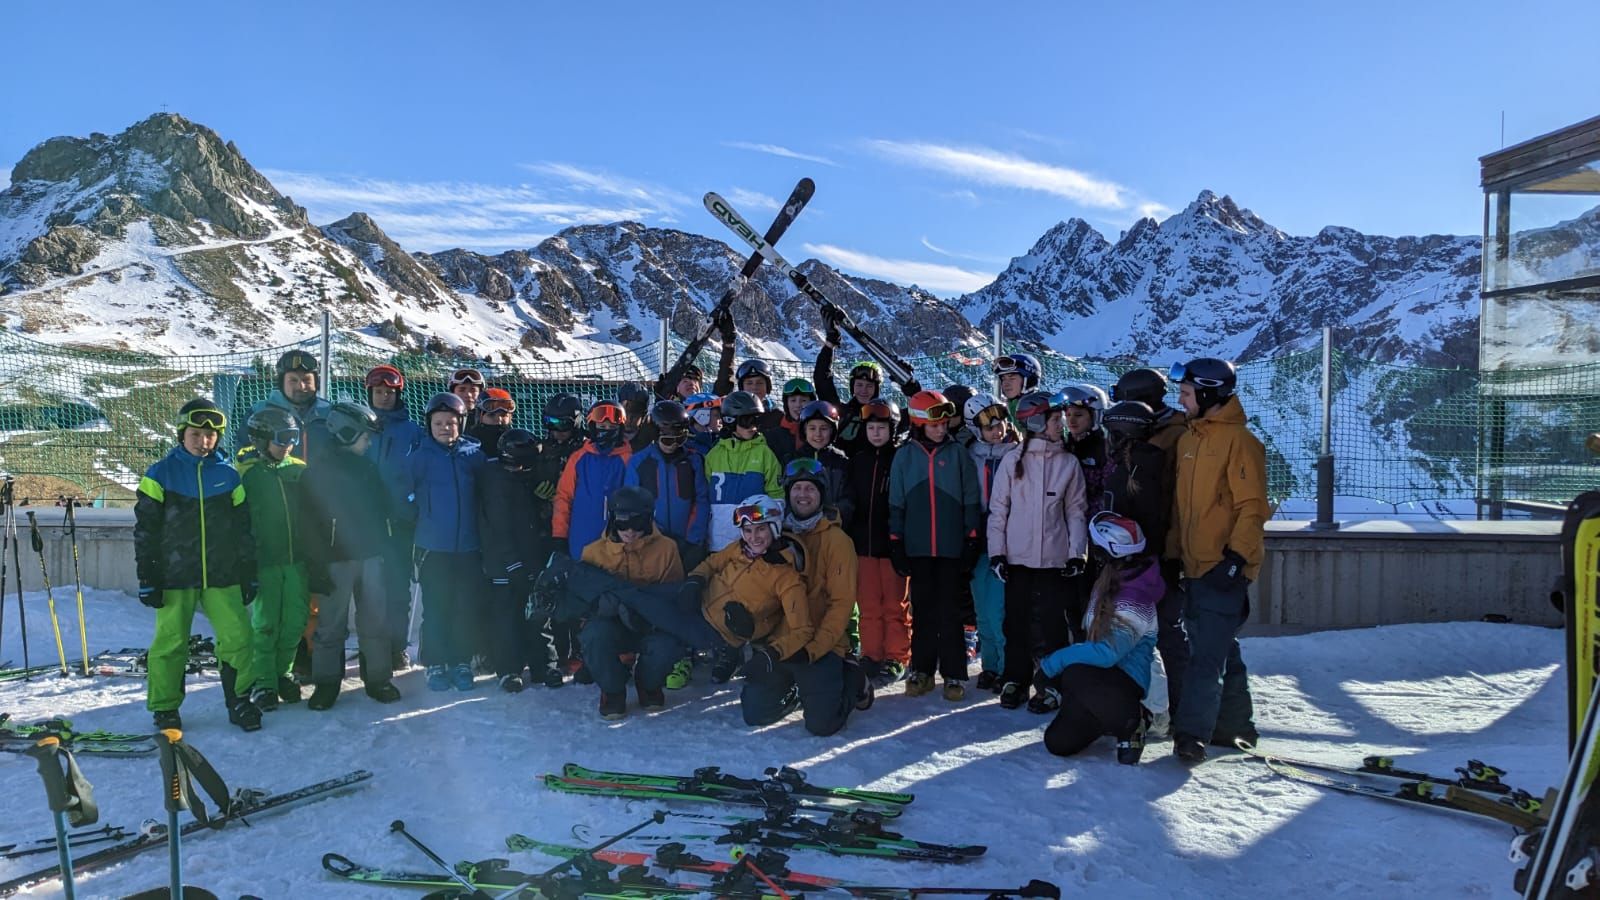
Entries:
{"x":271,"y":476}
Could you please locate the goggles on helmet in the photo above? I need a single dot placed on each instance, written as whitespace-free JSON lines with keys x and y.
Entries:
{"x":386,"y":376}
{"x":878,"y":411}
{"x":803,"y":465}
{"x":636,"y":522}
{"x":939,"y":412}
{"x":608,"y":414}
{"x":204,"y":418}
{"x":756,"y":514}
{"x":466,"y":376}
{"x":993,"y":415}
{"x":1180,"y":372}
{"x":286,"y":437}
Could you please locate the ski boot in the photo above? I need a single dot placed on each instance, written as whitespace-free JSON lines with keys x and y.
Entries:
{"x":383,"y":692}
{"x":552,"y":678}
{"x":244,"y":714}
{"x":461,"y":677}
{"x":678,"y":678}
{"x":265,"y":699}
{"x":1045,"y":700}
{"x":511,"y":684}
{"x":289,"y":690}
{"x":1189,"y":749}
{"x":1012,"y":695}
{"x":168,"y":718}
{"x":989,"y":681}
{"x":613,"y":706}
{"x":438,"y":678}
{"x":889,"y":672}
{"x":1131,"y":748}
{"x":323,"y":695}
{"x":725,"y":664}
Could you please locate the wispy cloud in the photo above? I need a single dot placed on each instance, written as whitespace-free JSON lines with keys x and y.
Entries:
{"x":1153,"y":210}
{"x":752,"y":200}
{"x":932,"y":276}
{"x":953,"y":255}
{"x":576,"y":178}
{"x":986,"y":166}
{"x":777,"y":150}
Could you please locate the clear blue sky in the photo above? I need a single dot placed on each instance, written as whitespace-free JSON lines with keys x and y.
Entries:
{"x":943,"y":139}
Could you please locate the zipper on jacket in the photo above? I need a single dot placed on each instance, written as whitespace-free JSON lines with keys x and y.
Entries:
{"x":933,"y":504}
{"x":288,"y":517}
{"x":200,"y":488}
{"x":872,"y":500}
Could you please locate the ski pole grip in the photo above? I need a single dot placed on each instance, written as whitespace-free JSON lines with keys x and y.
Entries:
{"x":171,"y":774}
{"x":47,"y":753}
{"x":33,"y":528}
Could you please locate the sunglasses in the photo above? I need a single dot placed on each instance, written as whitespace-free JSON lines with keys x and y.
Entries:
{"x":756,"y":515}
{"x":288,"y":437}
{"x":1180,"y":372}
{"x":938,"y":412}
{"x":467,"y":376}
{"x":803,"y":465}
{"x":204,"y":418}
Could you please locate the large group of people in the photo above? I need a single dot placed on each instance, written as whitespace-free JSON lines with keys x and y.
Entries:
{"x":1088,"y":554}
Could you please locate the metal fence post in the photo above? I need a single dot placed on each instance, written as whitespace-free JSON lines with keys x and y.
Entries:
{"x":326,"y":380}
{"x":994,"y":380}
{"x":1324,"y":520}
{"x":666,"y":349}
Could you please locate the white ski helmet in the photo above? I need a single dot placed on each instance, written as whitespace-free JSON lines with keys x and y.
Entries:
{"x":760,"y":509}
{"x":976,"y":404}
{"x":1119,"y":536}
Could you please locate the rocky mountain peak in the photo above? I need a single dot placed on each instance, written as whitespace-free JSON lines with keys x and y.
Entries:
{"x":1210,"y":210}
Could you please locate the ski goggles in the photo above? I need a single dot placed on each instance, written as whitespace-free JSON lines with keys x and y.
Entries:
{"x":993,"y":415}
{"x":879,"y":411}
{"x":939,"y":412}
{"x":609,"y":414}
{"x":752,"y":420}
{"x":631,"y":523}
{"x":756,"y":514}
{"x":674,"y":438}
{"x":713,"y":403}
{"x":1180,"y":372}
{"x":1010,"y":365}
{"x":467,"y":376}
{"x":286,"y":437}
{"x":803,"y":466}
{"x":386,"y":377}
{"x":204,"y":418}
{"x":492,"y":405}
{"x":795,"y":387}
{"x":558,"y":423}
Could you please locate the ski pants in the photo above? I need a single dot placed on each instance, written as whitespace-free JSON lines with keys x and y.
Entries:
{"x":398,"y":572}
{"x":278,"y":616}
{"x":1216,"y":700}
{"x":169,"y":650}
{"x":826,"y":690}
{"x":1094,"y":701}
{"x":1035,"y":620}
{"x":453,"y":589}
{"x":517,"y":642}
{"x":605,"y":638}
{"x":1172,"y":642}
{"x":989,"y":601}
{"x":937,"y":636}
{"x":885,"y":611}
{"x":360,"y":582}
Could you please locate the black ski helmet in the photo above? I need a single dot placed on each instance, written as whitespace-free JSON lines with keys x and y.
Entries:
{"x":266,"y":423}
{"x":449,"y":403}
{"x":1214,"y":379}
{"x":1129,"y":420}
{"x":670,"y":417}
{"x":296,"y":361}
{"x":751,"y":368}
{"x":348,"y":420}
{"x":201,"y":412}
{"x":518,"y":448}
{"x":805,"y":468}
{"x":635,"y":398}
{"x":958,"y":394}
{"x":563,"y":412}
{"x":741,"y":403}
{"x":820,"y":410}
{"x":1147,"y":386}
{"x":630,"y":505}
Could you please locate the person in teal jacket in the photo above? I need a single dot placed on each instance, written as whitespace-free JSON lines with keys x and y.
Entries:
{"x":740,"y":465}
{"x":934,"y":515}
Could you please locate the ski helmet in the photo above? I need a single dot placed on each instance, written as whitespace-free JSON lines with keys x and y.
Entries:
{"x":1147,"y":386}
{"x":1024,"y":364}
{"x":518,"y":448}
{"x":751,"y":368}
{"x":958,"y":394}
{"x":1214,"y":379}
{"x":275,"y":425}
{"x":563,"y":412}
{"x":880,"y":409}
{"x":981,"y":409}
{"x":759,"y":509}
{"x":702,"y":407}
{"x":385,"y":376}
{"x":449,"y":403}
{"x":606,"y":412}
{"x":1119,"y":536}
{"x":799,"y":387}
{"x":201,"y":413}
{"x":867,"y":369}
{"x":1129,"y":420}
{"x":468,"y":377}
{"x":630,"y":508}
{"x":821,"y":410}
{"x":634,"y":397}
{"x":929,"y":408}
{"x":1088,"y":396}
{"x":348,"y":420}
{"x":1033,"y":411}
{"x":496,"y":400}
{"x":670,"y":417}
{"x":296,"y":361}
{"x":739,"y":404}
{"x":805,"y":468}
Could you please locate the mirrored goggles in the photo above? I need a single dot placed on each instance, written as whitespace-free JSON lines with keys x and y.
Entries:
{"x":287,"y":437}
{"x":755,"y":514}
{"x":803,"y":465}
{"x":204,"y":418}
{"x":1180,"y":372}
{"x":994,"y":415}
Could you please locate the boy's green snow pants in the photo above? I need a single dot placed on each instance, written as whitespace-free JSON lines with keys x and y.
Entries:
{"x":169,"y":651}
{"x":279,"y":614}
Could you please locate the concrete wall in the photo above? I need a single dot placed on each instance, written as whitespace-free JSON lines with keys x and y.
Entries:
{"x":1369,"y":573}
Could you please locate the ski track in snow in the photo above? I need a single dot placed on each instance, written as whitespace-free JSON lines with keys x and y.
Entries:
{"x":462,"y":769}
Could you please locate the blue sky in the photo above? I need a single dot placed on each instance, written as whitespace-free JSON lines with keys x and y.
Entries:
{"x":944,"y":138}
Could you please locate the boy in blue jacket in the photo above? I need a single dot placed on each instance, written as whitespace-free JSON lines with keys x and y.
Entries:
{"x":590,"y":476}
{"x":676,"y":477}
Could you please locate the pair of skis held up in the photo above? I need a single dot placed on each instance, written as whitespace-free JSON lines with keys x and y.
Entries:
{"x":762,"y":249}
{"x":8,"y":535}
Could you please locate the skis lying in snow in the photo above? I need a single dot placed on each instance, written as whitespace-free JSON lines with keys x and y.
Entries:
{"x":493,"y":875}
{"x":16,"y":737}
{"x":782,"y":788}
{"x":129,"y":662}
{"x":245,"y":803}
{"x":1475,"y":775}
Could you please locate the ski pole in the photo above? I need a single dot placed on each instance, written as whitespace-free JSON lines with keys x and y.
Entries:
{"x":5,"y":539}
{"x":69,"y":795}
{"x":656,"y":818}
{"x":476,"y":893}
{"x":16,"y":566}
{"x":744,"y":859}
{"x":77,"y":579}
{"x":50,"y":597}
{"x":77,"y":839}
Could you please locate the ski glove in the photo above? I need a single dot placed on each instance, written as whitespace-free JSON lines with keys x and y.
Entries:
{"x":151,"y":597}
{"x":247,"y":591}
{"x":971,"y":551}
{"x":738,"y":620}
{"x":1227,"y":575}
{"x":997,"y":565}
{"x":898,"y":558}
{"x":1042,"y":680}
{"x":724,"y":323}
{"x":691,"y":589}
{"x":761,"y":662}
{"x":1073,"y":568}
{"x":546,"y":491}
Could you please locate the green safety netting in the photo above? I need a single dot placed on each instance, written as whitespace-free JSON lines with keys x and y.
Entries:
{"x":1399,"y":434}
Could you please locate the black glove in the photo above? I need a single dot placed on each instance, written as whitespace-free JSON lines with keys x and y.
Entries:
{"x":971,"y":550}
{"x":831,"y":336}
{"x":911,"y":387}
{"x":1041,"y":681}
{"x":247,"y":591}
{"x":898,"y":558}
{"x":738,"y":620}
{"x":151,"y":596}
{"x":761,"y":662}
{"x":1227,"y":575}
{"x":724,"y":322}
{"x":691,"y":590}
{"x":997,"y":565}
{"x":832,"y":317}
{"x":1073,"y":568}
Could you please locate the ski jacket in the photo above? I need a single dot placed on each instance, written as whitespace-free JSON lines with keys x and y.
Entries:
{"x":785,"y":439}
{"x":488,"y":437}
{"x":1039,"y":519}
{"x":275,"y":493}
{"x":547,"y":467}
{"x":312,"y":419}
{"x":933,"y":498}
{"x":346,"y":517}
{"x":837,"y":467}
{"x":1221,"y":497}
{"x":738,"y":469}
{"x":868,"y":485}
{"x":683,"y":496}
{"x":770,"y":587}
{"x":1131,"y":643}
{"x":652,"y":559}
{"x":829,"y":575}
{"x":439,"y":492}
{"x":1139,"y":486}
{"x":852,"y":436}
{"x":1091,"y":451}
{"x":510,"y":533}
{"x":701,"y":442}
{"x":395,"y":442}
{"x":1170,"y":426}
{"x":987,"y":459}
{"x":589,"y":478}
{"x":191,"y":525}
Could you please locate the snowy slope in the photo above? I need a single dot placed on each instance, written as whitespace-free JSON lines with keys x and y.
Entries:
{"x":460,"y":769}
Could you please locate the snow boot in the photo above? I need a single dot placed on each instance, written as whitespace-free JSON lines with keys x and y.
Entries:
{"x":989,"y":681}
{"x":888,"y":673}
{"x":613,"y":706}
{"x":918,"y":684}
{"x":1012,"y":695}
{"x":461,"y":677}
{"x":244,"y":714}
{"x":954,"y":691}
{"x":725,"y":664}
{"x":1230,"y":740}
{"x":289,"y":690}
{"x":438,"y":678}
{"x":511,"y":684}
{"x":553,"y":678}
{"x":857,"y":686}
{"x":1045,"y":700}
{"x":651,"y":700}
{"x":399,"y":661}
{"x":682,"y":670}
{"x":323,"y":695}
{"x":168,"y":718}
{"x":1131,"y":748}
{"x":383,"y":692}
{"x":265,"y":699}
{"x":1190,"y":749}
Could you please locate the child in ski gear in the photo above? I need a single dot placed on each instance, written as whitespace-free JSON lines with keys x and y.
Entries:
{"x":785,"y":437}
{"x":296,"y":394}
{"x":639,"y":432}
{"x":676,"y":477}
{"x":866,"y":385}
{"x":562,"y":418}
{"x":1103,"y":679}
{"x":440,"y":493}
{"x":1219,"y":513}
{"x":1138,"y":483}
{"x":933,"y":540}
{"x":515,"y":546}
{"x":1017,"y":374}
{"x":495,"y":408}
{"x":881,"y":592}
{"x":590,"y":476}
{"x":1037,"y":545}
{"x":819,"y":425}
{"x":994,"y":439}
{"x":271,"y":476}
{"x":468,"y":384}
{"x":193,"y":547}
{"x":347,"y":532}
{"x":399,"y":437}
{"x":739,"y":465}
{"x":1084,"y":405}
{"x":959,"y":395}
{"x":705,"y":418}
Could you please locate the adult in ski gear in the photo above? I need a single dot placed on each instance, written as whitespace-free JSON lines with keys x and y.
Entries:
{"x":785,"y":437}
{"x":1037,"y":546}
{"x":296,"y":394}
{"x":562,"y":418}
{"x":1103,"y":679}
{"x":1220,"y":511}
{"x":346,"y":526}
{"x":1084,"y":404}
{"x":272,"y":479}
{"x":591,"y":474}
{"x":681,"y":384}
{"x":934,"y":516}
{"x":994,"y":439}
{"x":819,"y":425}
{"x":193,"y":548}
{"x":881,"y":592}
{"x":676,"y":477}
{"x":754,"y":376}
{"x":515,"y":545}
{"x":739,"y":465}
{"x":439,"y":486}
{"x":633,"y":550}
{"x":495,"y":408}
{"x":1017,"y":374}
{"x":399,"y":437}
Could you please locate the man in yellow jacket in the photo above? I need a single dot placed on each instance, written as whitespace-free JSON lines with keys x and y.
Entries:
{"x":1219,"y":516}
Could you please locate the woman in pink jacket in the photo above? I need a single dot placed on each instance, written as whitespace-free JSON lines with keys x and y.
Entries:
{"x":1037,"y":541}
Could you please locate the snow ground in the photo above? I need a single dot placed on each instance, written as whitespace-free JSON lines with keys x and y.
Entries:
{"x":461,"y":770}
